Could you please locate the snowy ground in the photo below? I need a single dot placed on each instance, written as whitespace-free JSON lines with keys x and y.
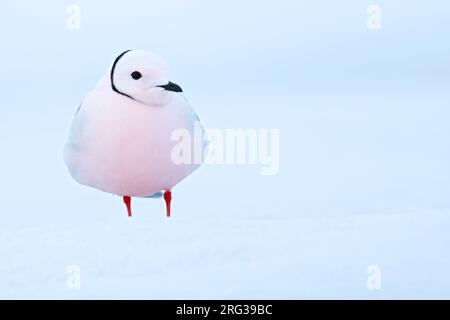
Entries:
{"x":231,"y":258}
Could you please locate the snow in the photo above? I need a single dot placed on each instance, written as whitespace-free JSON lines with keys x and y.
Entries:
{"x":230,"y":258}
{"x":364,"y":173}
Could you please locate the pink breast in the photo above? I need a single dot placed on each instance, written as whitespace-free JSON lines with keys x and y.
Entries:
{"x":126,"y":146}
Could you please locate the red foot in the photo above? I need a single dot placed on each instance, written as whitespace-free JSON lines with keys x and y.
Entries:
{"x":127,"y":201}
{"x":168,"y":199}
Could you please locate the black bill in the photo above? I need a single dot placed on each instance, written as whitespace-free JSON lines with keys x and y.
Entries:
{"x":171,"y":87}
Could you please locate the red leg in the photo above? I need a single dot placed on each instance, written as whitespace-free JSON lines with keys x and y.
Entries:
{"x":127,"y":201}
{"x":168,"y":199}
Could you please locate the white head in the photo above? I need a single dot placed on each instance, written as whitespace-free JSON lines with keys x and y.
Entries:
{"x":142,"y":76}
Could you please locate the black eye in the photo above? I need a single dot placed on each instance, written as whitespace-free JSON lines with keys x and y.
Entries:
{"x":136,"y":75}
